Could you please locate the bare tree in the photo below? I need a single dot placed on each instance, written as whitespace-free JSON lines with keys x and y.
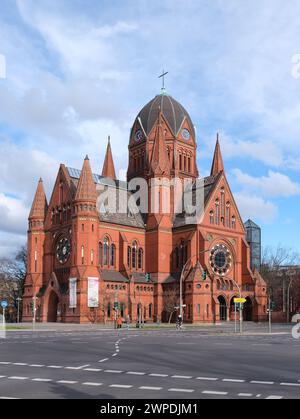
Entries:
{"x":170,"y":300}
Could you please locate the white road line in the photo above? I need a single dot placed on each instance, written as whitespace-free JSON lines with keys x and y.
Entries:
{"x":120,"y":386}
{"x":135,"y":373}
{"x":8,"y":398}
{"x":36,"y":365}
{"x":207,"y":379}
{"x":93,"y":369}
{"x":113,"y":371}
{"x":114,"y":355}
{"x":18,"y":378}
{"x":2,"y":376}
{"x":231,"y":380}
{"x":181,"y":390}
{"x":215,"y":393}
{"x":55,"y":366}
{"x":182,"y":376}
{"x":92,"y":384}
{"x":5,"y":363}
{"x":274,"y":398}
{"x":290,"y":384}
{"x":158,"y":375}
{"x":245,"y":395}
{"x":21,"y":364}
{"x":150,"y":388}
{"x":66,"y":382}
{"x":270,"y":383}
{"x":42,"y":380}
{"x":103,"y":360}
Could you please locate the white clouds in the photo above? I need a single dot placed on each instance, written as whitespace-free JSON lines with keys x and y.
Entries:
{"x":255,"y":207}
{"x":274,"y":185}
{"x":13,"y":215}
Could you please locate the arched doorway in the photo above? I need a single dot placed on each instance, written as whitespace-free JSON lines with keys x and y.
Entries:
{"x":52,"y":307}
{"x":248,"y":310}
{"x":223,"y":308}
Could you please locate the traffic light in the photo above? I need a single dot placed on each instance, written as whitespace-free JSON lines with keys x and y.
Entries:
{"x":148,"y":277}
{"x":204,"y":275}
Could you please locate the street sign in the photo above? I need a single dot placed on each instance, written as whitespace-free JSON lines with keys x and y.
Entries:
{"x":4,"y":304}
{"x":240,"y":300}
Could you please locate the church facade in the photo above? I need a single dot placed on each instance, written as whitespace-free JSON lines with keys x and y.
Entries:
{"x":87,"y":263}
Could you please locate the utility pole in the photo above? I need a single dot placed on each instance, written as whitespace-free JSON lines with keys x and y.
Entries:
{"x":34,"y":312}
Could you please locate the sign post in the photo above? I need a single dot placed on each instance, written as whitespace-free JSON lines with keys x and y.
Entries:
{"x":240,"y":301}
{"x":4,"y":305}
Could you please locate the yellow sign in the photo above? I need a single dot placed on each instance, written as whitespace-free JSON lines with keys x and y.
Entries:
{"x":240,"y":300}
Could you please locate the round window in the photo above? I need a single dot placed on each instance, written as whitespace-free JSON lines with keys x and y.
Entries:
{"x":220,"y":259}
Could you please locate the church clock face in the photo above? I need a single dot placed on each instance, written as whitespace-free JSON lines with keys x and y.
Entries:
{"x":186,"y":134}
{"x":220,"y":259}
{"x":138,"y":135}
{"x":63,"y":250}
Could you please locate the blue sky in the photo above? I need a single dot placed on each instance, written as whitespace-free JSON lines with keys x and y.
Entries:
{"x":79,"y":70}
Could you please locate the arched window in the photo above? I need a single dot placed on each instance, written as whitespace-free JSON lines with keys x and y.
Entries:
{"x":227,"y":216}
{"x":128,"y":256}
{"x":92,"y":257}
{"x":222,"y":202}
{"x":176,"y":256}
{"x":211,"y":217}
{"x":150,"y":311}
{"x":180,"y":161}
{"x":100,"y":249}
{"x":108,"y":310}
{"x":82,"y":255}
{"x":112,"y":255}
{"x":217,"y":213}
{"x":233,"y":222}
{"x":140,"y":259}
{"x":106,"y":252}
{"x":134,"y":253}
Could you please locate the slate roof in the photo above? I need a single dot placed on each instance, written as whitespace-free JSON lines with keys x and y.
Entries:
{"x":113,"y":276}
{"x":172,"y":110}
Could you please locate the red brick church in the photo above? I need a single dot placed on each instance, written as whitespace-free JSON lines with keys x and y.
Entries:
{"x":84,"y":261}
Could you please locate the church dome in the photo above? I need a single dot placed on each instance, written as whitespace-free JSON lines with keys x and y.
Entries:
{"x":173,"y":112}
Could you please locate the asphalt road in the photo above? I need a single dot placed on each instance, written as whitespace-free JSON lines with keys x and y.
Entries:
{"x":151,"y":364}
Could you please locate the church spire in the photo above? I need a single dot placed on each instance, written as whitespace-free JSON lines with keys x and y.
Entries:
{"x":39,"y":205}
{"x":108,"y":170}
{"x":160,"y":162}
{"x":217,"y":165}
{"x":86,"y":189}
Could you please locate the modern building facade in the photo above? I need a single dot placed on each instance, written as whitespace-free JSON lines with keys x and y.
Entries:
{"x":85,"y":260}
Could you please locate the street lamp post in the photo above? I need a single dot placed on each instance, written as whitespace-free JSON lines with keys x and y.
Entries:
{"x":288,"y":300}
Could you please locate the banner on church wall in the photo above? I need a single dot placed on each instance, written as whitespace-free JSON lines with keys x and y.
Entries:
{"x":93,"y":292}
{"x":73,"y":293}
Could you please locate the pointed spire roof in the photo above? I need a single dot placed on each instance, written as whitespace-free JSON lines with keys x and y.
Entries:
{"x":86,"y":189}
{"x":217,"y":165}
{"x":160,"y":163}
{"x":108,"y":170}
{"x":39,"y":205}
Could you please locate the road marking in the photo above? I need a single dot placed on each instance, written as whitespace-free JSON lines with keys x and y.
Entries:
{"x":215,"y":393}
{"x":114,"y":355}
{"x":150,"y":388}
{"x":77,"y":368}
{"x":113,"y":371}
{"x":158,"y":375}
{"x":21,"y":364}
{"x":181,"y":390}
{"x":245,"y":395}
{"x":103,"y":360}
{"x":207,"y":378}
{"x":93,"y":369}
{"x":55,"y":366}
{"x":92,"y":384}
{"x":18,"y":378}
{"x":182,"y":376}
{"x":66,"y":382}
{"x":274,"y":398}
{"x":2,"y":376}
{"x":120,"y":386}
{"x":8,"y":398}
{"x":231,"y":380}
{"x":5,"y":363}
{"x":135,"y":373}
{"x":290,"y":384}
{"x":36,"y":365}
{"x":42,"y":380}
{"x":262,"y":382}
